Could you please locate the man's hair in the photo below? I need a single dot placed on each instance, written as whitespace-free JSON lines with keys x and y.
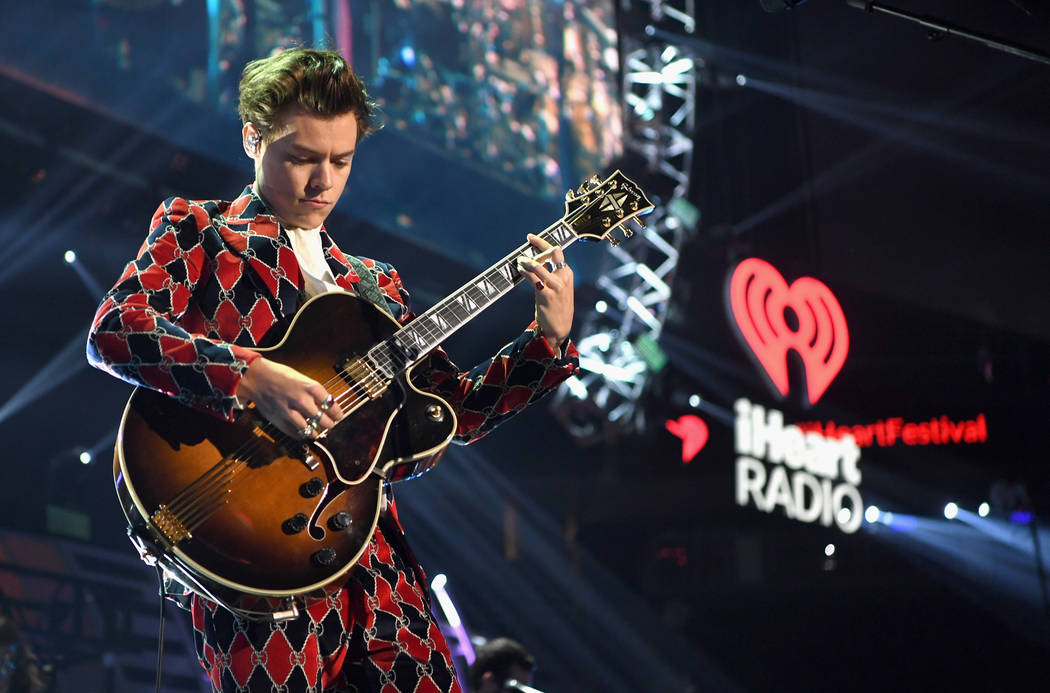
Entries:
{"x":498,"y":656}
{"x":319,"y":81}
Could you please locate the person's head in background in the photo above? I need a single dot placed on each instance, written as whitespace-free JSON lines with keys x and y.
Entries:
{"x":500,"y":660}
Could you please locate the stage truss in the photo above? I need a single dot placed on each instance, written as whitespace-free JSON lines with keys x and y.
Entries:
{"x":619,"y":349}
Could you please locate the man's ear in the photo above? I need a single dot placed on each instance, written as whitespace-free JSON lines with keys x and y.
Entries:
{"x":251,"y":139}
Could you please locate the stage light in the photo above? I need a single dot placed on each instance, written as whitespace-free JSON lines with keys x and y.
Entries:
{"x":70,"y":257}
{"x":871,"y":514}
{"x":899,"y":523}
{"x":576,"y":387}
{"x":983,"y":509}
{"x":741,"y":80}
{"x":844,"y":515}
{"x":1021,"y":517}
{"x":408,"y":55}
{"x":829,"y":550}
{"x":695,"y":400}
{"x":951,"y":510}
{"x":601,"y":307}
{"x":448,"y":609}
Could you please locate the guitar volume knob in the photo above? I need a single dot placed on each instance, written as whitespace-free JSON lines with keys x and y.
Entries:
{"x":311,"y":488}
{"x":324,"y":557}
{"x":341,"y":520}
{"x":295,"y":524}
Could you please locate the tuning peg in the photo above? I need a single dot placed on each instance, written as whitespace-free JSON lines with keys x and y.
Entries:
{"x":569,"y":197}
{"x":589,"y":184}
{"x":627,"y":232}
{"x":614,"y":241}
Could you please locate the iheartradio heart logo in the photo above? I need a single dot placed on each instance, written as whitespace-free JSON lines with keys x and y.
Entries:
{"x":693,"y":432}
{"x":762,"y":302}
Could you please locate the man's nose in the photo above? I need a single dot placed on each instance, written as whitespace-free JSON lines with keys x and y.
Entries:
{"x":322,"y":176}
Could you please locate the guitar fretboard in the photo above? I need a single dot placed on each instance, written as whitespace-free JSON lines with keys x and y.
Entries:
{"x":412,"y":342}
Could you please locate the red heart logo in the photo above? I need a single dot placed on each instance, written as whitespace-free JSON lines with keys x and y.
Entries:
{"x":693,"y":432}
{"x":759,"y":298}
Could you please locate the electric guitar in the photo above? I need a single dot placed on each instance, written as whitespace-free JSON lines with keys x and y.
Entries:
{"x":239,"y":511}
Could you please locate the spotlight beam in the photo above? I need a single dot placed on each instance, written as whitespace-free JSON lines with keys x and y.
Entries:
{"x":62,"y":366}
{"x":840,"y":109}
{"x":850,"y":167}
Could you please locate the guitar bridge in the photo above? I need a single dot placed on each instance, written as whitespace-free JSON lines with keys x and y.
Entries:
{"x":169,"y":525}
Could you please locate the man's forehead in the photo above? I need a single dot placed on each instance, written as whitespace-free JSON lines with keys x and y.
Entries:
{"x":313,"y":132}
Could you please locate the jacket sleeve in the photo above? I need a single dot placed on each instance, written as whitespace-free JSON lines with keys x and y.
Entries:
{"x":135,"y":334}
{"x":522,"y":372}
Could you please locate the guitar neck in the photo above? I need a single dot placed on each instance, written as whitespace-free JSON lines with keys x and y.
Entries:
{"x":414,"y":341}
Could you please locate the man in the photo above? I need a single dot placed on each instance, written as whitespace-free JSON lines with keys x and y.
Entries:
{"x":215,"y":279}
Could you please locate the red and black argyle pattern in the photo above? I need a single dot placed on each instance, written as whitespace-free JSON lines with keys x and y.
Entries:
{"x":214,"y":279}
{"x":375,"y":634}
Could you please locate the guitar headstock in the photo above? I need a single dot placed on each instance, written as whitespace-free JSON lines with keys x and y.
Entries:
{"x":599,"y":207}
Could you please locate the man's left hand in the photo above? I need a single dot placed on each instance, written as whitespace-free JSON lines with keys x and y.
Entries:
{"x":554,"y":293}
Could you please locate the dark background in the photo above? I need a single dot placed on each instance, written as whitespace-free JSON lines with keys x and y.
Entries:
{"x":911,"y":176}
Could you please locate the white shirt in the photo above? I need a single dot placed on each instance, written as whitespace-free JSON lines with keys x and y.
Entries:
{"x":317,"y":275}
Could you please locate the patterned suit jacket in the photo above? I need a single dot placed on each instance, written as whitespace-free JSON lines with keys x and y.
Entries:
{"x":215,"y":279}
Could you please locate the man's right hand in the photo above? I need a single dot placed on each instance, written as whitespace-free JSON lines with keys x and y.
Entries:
{"x":287,"y":398}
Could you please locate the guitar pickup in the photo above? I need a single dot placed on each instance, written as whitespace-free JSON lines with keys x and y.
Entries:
{"x":363,"y":380}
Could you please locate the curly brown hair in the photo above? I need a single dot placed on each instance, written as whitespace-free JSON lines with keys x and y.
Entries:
{"x":320,"y":81}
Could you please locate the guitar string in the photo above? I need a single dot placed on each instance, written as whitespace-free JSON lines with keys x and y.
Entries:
{"x":193,"y":507}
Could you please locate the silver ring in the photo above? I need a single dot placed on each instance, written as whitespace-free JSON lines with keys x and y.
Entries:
{"x":307,"y":432}
{"x":559,"y":265}
{"x":314,"y":422}
{"x":326,"y":405}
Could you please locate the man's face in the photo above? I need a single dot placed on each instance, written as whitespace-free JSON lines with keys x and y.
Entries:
{"x":302,"y":172}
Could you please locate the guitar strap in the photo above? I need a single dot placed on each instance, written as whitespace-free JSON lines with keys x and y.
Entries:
{"x":367,"y":286}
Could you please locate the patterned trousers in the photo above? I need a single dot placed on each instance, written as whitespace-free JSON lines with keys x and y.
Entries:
{"x":375,"y":634}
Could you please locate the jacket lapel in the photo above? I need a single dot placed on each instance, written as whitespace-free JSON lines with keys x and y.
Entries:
{"x":345,"y":275}
{"x":352,"y":274}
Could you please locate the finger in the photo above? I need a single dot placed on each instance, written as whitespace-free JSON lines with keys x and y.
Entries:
{"x":558,"y":255}
{"x":300,"y":427}
{"x":335,"y":411}
{"x":320,"y":421}
{"x":538,"y":243}
{"x":537,"y":270}
{"x":331,"y":408}
{"x":540,"y":276}
{"x":548,"y":253}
